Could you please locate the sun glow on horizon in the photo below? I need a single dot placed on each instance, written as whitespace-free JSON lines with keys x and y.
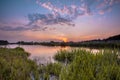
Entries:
{"x":64,"y":39}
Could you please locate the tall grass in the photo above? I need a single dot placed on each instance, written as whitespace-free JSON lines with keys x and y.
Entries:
{"x":75,"y":64}
{"x":15,"y":65}
{"x":87,"y":66}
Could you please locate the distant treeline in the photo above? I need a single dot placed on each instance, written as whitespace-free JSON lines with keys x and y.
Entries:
{"x":4,"y":42}
{"x":116,"y":37}
{"x":92,"y":44}
{"x":111,"y":42}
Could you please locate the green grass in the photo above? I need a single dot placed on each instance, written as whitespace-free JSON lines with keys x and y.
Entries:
{"x":75,"y":64}
{"x":15,"y":65}
{"x":80,"y":64}
{"x":87,"y":66}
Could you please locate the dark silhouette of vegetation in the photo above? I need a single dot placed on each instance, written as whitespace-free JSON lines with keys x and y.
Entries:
{"x":116,"y":37}
{"x":111,"y":42}
{"x":4,"y":42}
{"x":25,"y":43}
{"x":92,"y":44}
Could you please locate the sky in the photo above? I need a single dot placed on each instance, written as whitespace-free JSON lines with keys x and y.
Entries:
{"x":58,"y":20}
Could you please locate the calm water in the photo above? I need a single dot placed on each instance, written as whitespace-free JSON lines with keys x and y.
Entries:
{"x":44,"y":53}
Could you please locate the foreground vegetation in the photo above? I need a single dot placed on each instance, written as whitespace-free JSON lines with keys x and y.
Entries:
{"x":15,"y":65}
{"x":75,"y":64}
{"x":87,"y":66}
{"x":83,"y":65}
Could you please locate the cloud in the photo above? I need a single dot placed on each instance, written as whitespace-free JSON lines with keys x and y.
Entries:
{"x":42,"y":20}
{"x":38,"y":22}
{"x":73,"y":10}
{"x":62,"y":15}
{"x":10,"y":28}
{"x":46,"y":19}
{"x":103,"y":11}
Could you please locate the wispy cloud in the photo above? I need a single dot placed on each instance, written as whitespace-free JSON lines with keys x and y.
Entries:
{"x":73,"y":11}
{"x":48,"y":19}
{"x":41,"y":21}
{"x":37,"y":22}
{"x":66,"y":14}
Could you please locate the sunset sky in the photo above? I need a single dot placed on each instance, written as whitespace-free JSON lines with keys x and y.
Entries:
{"x":68,"y":20}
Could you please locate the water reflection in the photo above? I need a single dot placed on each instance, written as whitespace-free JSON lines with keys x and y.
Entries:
{"x":38,"y":50}
{"x":43,"y":54}
{"x":47,"y":51}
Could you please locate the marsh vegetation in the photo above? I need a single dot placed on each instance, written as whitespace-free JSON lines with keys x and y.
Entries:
{"x":70,"y":65}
